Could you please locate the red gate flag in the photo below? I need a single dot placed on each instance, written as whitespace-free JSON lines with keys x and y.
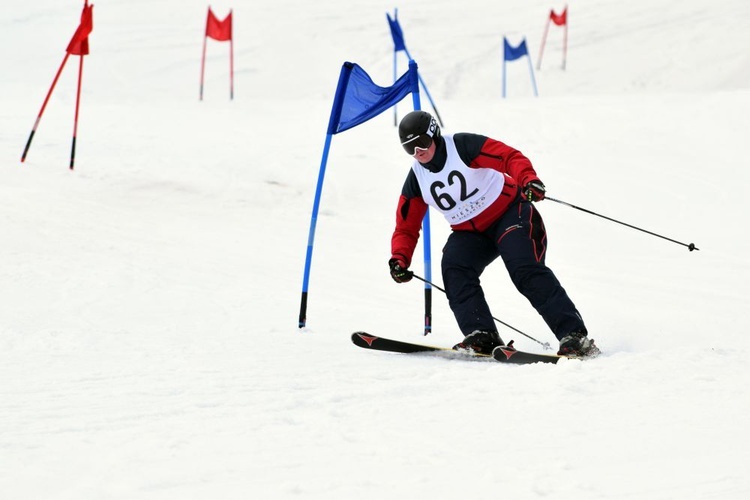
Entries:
{"x":222,"y":32}
{"x":559,"y":19}
{"x":219,"y":30}
{"x":79,"y":44}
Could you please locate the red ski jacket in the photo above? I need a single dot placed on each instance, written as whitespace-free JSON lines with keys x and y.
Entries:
{"x":476,"y":151}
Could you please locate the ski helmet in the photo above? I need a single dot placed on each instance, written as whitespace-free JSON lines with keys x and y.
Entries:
{"x":417,"y":130}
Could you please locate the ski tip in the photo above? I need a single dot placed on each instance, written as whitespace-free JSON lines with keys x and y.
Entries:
{"x":363,"y":339}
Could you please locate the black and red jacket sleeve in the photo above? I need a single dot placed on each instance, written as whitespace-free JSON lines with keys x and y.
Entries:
{"x":479,"y":151}
{"x":409,"y":214}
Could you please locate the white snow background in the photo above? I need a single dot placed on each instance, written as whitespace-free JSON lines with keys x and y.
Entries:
{"x":149,"y":299}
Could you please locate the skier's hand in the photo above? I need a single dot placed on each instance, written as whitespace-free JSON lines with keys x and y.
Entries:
{"x":534,"y":191}
{"x":399,"y":272}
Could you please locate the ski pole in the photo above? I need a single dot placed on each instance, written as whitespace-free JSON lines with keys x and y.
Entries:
{"x":690,"y":246}
{"x":543,"y":344}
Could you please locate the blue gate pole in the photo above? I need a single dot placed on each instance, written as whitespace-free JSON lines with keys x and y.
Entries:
{"x":425,"y":230}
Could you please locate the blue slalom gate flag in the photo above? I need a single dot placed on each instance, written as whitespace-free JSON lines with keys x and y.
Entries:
{"x":358,"y":98}
{"x":398,"y":46}
{"x":513,"y":53}
{"x":396,"y":33}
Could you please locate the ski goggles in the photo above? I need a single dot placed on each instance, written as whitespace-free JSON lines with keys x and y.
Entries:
{"x":419,"y":142}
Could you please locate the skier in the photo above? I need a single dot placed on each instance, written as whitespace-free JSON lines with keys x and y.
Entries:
{"x":484,"y":188}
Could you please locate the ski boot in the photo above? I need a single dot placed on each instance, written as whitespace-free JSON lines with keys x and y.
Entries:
{"x":578,"y":345}
{"x":480,"y":342}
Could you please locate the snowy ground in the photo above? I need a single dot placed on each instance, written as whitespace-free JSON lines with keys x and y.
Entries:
{"x":149,"y":346}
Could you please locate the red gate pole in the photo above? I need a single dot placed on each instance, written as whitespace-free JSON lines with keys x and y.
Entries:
{"x":544,"y":40}
{"x":565,"y":39}
{"x":231,"y":66}
{"x":44,"y":105}
{"x":75,"y":121}
{"x":203,"y":65}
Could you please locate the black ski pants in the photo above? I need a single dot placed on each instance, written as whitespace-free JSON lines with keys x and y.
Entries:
{"x":519,"y":237}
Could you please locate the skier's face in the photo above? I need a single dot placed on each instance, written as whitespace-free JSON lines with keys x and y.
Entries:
{"x":424,"y":155}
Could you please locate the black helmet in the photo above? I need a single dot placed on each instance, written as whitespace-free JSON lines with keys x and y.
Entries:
{"x":417,"y":130}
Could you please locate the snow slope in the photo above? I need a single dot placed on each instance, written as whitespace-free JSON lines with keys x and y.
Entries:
{"x":149,"y":345}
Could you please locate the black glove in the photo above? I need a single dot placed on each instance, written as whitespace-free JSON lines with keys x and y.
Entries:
{"x":399,"y":273}
{"x":534,"y":191}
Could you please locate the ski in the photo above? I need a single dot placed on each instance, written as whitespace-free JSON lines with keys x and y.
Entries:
{"x":375,"y":343}
{"x":503,"y":354}
{"x":509,"y":354}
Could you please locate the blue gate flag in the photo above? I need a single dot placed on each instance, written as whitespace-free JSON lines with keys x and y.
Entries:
{"x":358,"y":99}
{"x":513,"y":53}
{"x":396,"y":33}
{"x":398,"y":46}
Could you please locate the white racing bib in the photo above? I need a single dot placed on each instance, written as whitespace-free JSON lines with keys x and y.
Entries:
{"x":460,"y":193}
